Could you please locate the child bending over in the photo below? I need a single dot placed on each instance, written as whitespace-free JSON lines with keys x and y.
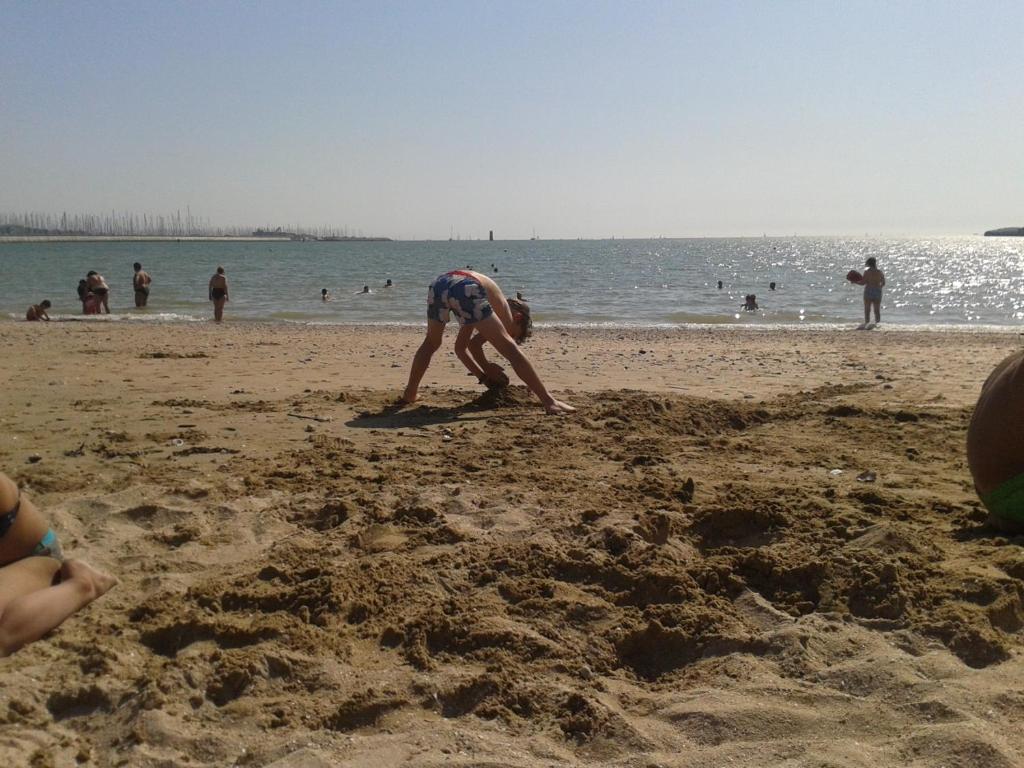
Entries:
{"x":484,"y":315}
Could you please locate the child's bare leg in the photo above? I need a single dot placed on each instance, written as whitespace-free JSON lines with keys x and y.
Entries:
{"x":492,"y":330}
{"x":878,"y":311}
{"x":421,"y":361}
{"x":30,"y":607}
{"x":867,"y":311}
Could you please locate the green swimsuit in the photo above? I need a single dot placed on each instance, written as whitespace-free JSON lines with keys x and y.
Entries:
{"x":1007,"y":501}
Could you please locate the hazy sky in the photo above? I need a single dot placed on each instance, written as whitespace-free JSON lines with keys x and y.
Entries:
{"x":571,"y":118}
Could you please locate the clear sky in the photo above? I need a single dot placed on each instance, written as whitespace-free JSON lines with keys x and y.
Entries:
{"x":593,"y":119}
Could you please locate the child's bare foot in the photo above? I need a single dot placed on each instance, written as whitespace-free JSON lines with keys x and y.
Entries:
{"x":99,"y":583}
{"x":557,"y":407}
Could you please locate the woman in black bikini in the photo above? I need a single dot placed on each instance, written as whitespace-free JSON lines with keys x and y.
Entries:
{"x":39,"y":589}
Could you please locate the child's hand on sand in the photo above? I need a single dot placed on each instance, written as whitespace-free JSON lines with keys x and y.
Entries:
{"x":557,"y":408}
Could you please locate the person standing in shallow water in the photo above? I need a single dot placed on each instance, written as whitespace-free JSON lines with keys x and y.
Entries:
{"x":873,"y":281}
{"x":140,"y":283}
{"x":99,"y":288}
{"x":219,"y":293}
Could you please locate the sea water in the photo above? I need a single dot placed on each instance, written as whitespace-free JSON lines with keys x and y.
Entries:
{"x":941,"y":281}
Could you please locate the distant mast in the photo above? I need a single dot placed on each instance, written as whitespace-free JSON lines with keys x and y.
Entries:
{"x":490,"y":235}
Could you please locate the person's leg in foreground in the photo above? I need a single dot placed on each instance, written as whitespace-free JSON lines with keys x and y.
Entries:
{"x":30,"y":603}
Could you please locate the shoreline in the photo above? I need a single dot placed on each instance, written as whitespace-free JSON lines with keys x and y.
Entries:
{"x":171,"y":318}
{"x":725,"y":327}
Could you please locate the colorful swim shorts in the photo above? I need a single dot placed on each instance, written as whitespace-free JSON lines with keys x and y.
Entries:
{"x":458,"y":292}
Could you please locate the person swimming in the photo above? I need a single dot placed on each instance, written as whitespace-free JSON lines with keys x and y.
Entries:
{"x":750,"y":302}
{"x":324,"y":296}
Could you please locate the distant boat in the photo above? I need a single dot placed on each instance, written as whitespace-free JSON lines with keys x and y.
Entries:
{"x":534,"y":237}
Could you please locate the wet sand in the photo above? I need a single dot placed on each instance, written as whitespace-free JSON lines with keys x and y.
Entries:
{"x":674,"y":576}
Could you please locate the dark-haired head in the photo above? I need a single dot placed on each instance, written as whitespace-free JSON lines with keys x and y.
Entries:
{"x":521,"y":317}
{"x":137,"y":267}
{"x":871,"y":262}
{"x":45,"y":304}
{"x":91,"y":272}
{"x":220,"y":270}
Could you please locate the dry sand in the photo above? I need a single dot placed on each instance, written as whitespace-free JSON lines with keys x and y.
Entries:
{"x":671,"y":577}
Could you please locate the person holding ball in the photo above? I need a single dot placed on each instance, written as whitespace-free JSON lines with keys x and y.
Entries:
{"x":873,"y":281}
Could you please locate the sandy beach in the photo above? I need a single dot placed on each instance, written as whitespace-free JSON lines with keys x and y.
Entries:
{"x":686,"y":572}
